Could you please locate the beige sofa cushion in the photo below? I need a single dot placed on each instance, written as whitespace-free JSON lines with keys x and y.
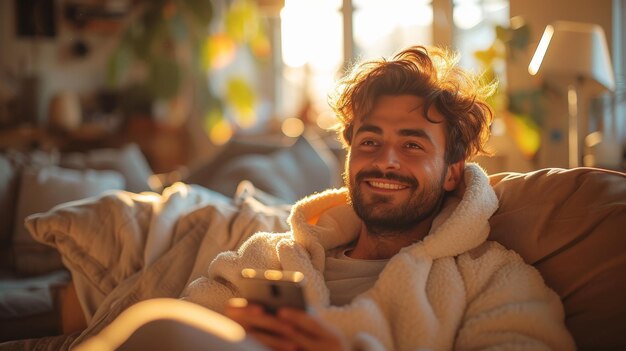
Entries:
{"x":39,"y":191}
{"x":571,"y":225}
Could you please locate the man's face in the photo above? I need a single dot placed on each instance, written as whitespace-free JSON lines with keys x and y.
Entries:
{"x":395,"y":170}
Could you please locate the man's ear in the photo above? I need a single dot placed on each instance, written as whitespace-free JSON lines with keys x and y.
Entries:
{"x":454,"y":176}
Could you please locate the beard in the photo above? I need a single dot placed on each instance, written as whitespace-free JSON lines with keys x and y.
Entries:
{"x":378,"y":212}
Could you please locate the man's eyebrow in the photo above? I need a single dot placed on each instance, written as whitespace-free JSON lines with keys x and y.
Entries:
{"x":369,"y":128}
{"x":418,"y":133}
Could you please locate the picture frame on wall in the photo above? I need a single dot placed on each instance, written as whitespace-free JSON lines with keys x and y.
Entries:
{"x":35,"y":18}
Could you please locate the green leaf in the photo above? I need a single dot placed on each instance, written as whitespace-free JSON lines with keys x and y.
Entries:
{"x":117,"y":64}
{"x":526,"y":134}
{"x":486,"y":57}
{"x":165,"y":78}
{"x":242,"y":98}
{"x":201,"y":10}
{"x":242,"y":21}
{"x":139,"y":40}
{"x":213,"y":116}
{"x":502,"y":33}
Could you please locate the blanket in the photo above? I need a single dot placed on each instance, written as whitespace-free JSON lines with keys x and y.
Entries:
{"x":122,"y":248}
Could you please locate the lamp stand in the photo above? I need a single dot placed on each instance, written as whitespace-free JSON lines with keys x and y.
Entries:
{"x":572,"y":124}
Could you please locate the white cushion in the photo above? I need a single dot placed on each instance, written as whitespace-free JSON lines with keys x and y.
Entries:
{"x":41,"y":190}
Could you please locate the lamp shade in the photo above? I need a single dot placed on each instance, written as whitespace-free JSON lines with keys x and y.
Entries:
{"x":574,"y":50}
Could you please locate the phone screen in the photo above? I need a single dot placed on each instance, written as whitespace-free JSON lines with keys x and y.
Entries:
{"x":273,"y":289}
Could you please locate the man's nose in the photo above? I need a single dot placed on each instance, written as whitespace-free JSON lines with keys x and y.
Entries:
{"x":387,"y":159}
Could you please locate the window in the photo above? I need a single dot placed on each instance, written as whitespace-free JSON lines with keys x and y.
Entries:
{"x":322,"y":37}
{"x":474,"y":22}
{"x":312,"y":53}
{"x":381,"y":27}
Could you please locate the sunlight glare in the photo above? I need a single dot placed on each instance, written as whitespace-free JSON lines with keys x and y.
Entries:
{"x":310,"y":33}
{"x":424,"y":16}
{"x":467,"y":15}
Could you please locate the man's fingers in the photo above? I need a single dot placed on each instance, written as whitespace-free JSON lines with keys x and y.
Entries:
{"x":254,"y":320}
{"x":273,"y":342}
{"x":303,"y":321}
{"x":291,"y":329}
{"x":312,"y":333}
{"x":243,"y":315}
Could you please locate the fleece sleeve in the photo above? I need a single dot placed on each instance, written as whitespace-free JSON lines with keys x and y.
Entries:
{"x":224,"y":273}
{"x":509,"y":307}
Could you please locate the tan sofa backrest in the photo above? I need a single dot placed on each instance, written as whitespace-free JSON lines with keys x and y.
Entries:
{"x":571,"y":225}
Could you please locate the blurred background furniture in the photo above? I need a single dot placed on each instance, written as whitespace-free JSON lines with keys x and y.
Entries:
{"x":578,"y":55}
{"x":32,"y":276}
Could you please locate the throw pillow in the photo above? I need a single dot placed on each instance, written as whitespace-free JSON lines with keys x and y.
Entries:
{"x":41,"y":190}
{"x":128,"y":160}
{"x":289,"y":174}
{"x":12,"y":163}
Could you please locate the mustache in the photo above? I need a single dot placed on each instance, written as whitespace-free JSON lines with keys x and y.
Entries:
{"x":360,"y":176}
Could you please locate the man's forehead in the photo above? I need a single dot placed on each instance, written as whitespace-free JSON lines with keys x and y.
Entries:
{"x":392,"y":106}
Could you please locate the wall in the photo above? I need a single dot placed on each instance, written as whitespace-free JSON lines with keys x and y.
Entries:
{"x":538,"y":14}
{"x":51,"y":59}
{"x":59,"y":70}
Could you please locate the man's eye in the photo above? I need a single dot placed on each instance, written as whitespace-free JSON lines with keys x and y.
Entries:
{"x":415,"y":146}
{"x":368,"y":142}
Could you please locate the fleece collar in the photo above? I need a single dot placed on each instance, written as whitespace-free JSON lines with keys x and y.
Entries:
{"x":326,"y":220}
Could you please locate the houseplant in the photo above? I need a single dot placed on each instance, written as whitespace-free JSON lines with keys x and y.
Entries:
{"x":171,"y":49}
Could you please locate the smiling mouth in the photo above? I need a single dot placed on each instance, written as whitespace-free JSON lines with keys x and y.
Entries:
{"x":385,"y":185}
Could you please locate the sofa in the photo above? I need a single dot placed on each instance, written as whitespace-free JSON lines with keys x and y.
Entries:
{"x":33,"y":279}
{"x":35,"y":180}
{"x":568,"y":223}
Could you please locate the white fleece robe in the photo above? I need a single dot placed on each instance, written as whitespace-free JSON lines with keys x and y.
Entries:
{"x":452,"y":290}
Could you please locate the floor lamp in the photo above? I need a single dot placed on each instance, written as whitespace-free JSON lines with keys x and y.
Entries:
{"x":578,"y":53}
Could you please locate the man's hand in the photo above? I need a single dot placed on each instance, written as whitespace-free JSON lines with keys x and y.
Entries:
{"x":290,"y":329}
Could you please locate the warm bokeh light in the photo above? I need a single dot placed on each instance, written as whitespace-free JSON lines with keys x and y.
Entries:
{"x":237,"y":302}
{"x":221,"y":133}
{"x":219,"y":51}
{"x":498,"y":127}
{"x":248,"y":273}
{"x":272,"y":274}
{"x":326,"y":120}
{"x":292,"y":127}
{"x":116,"y":333}
{"x":261,"y":46}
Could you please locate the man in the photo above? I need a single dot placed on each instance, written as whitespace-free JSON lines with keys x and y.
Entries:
{"x":399,"y":259}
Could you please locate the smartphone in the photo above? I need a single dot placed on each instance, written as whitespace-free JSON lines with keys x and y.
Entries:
{"x":273,"y":289}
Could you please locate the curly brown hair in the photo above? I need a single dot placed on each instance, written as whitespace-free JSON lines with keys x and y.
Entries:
{"x":432,"y":74}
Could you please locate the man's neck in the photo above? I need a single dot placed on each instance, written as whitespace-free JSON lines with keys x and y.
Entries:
{"x":376,"y":247}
